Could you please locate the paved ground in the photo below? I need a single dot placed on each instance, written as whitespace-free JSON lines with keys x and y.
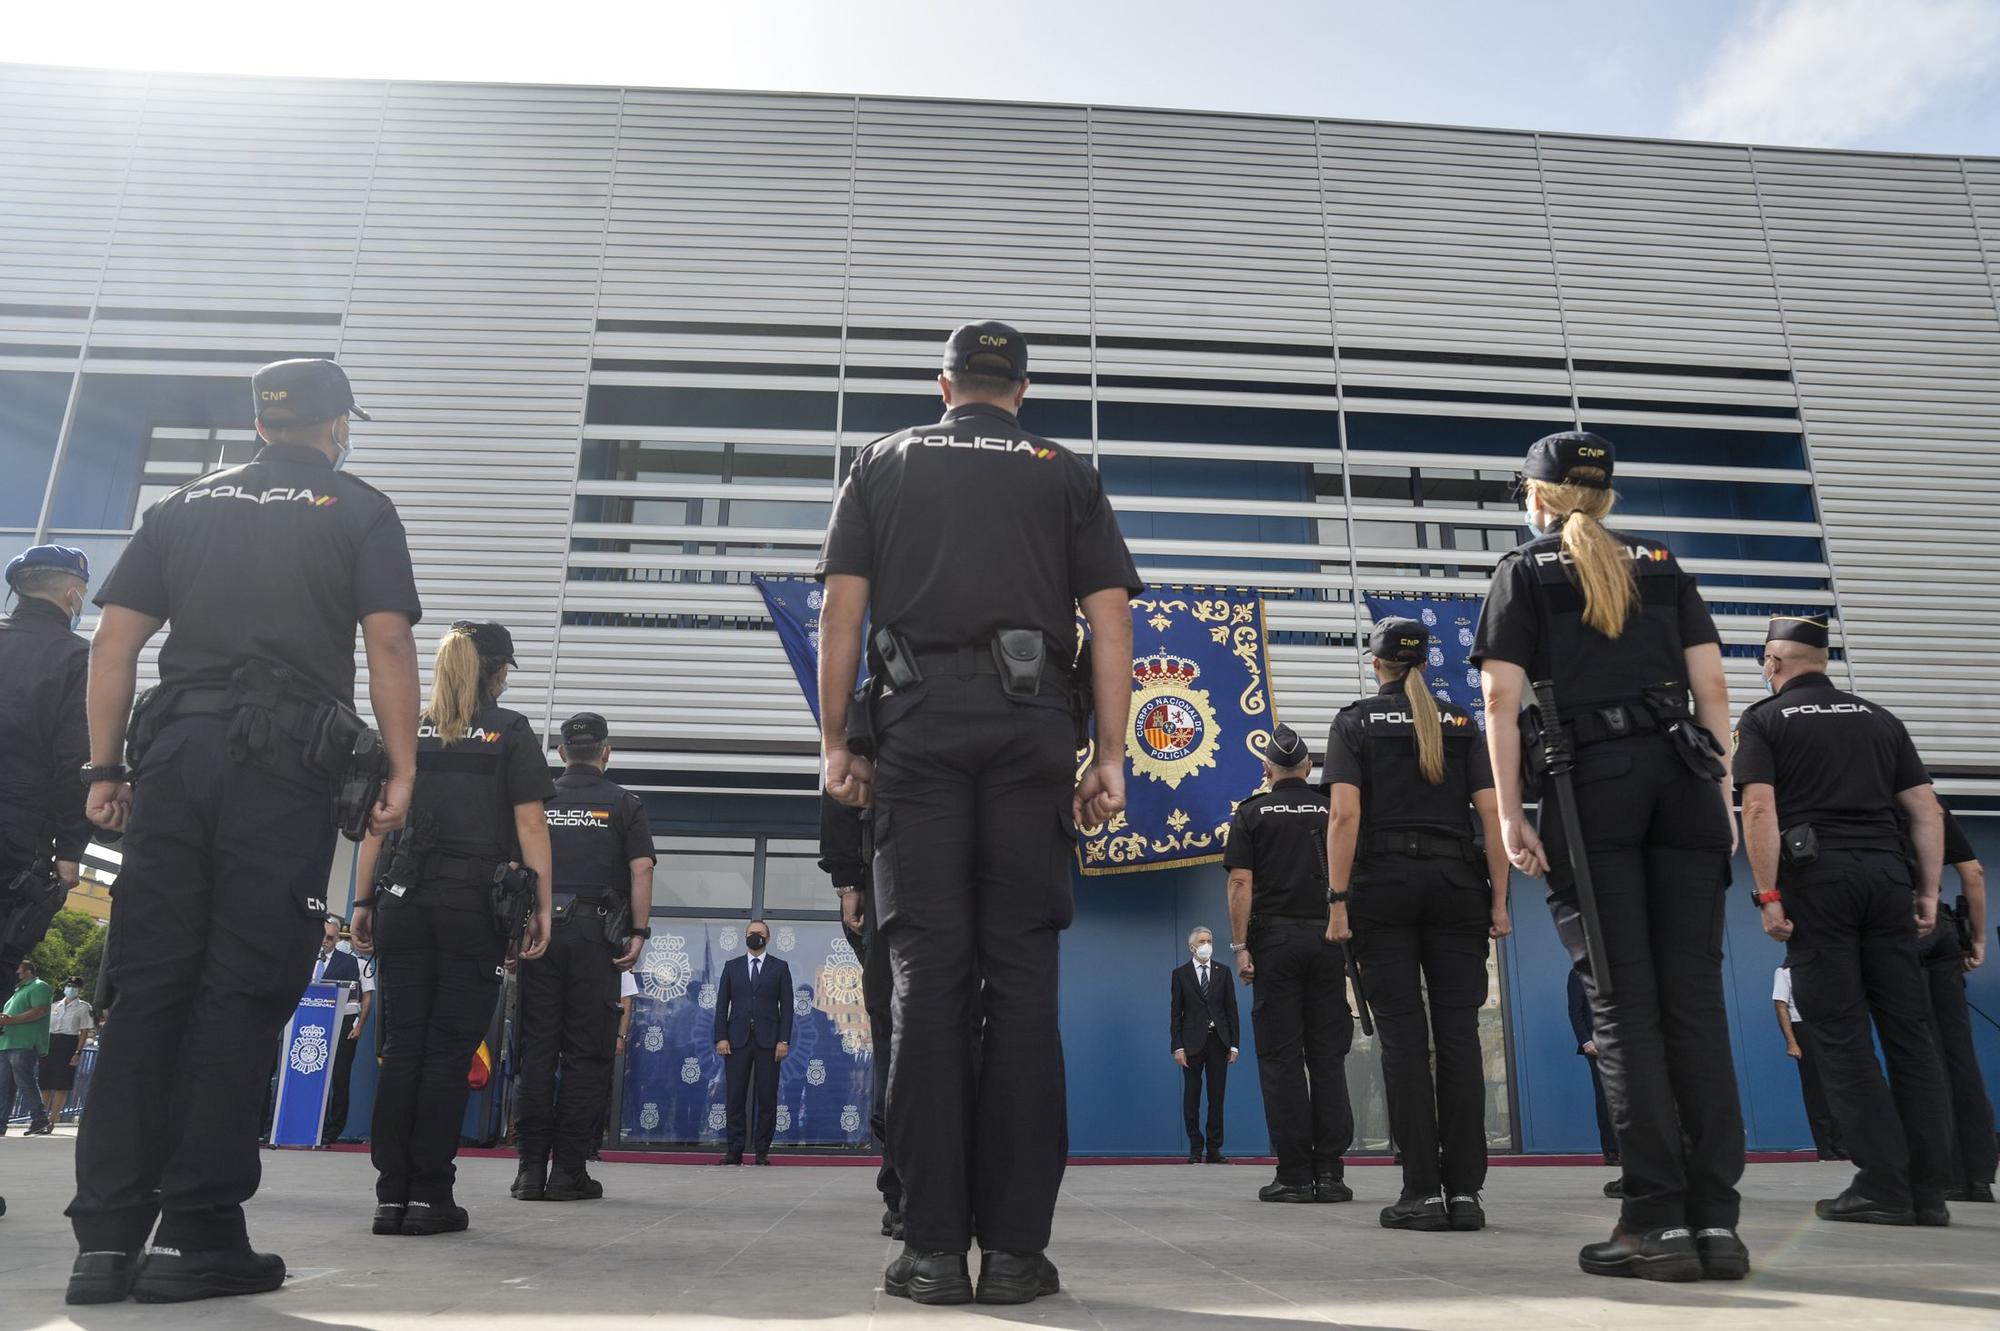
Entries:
{"x":1144,"y":1247}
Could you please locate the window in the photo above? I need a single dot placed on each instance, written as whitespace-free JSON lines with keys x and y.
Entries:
{"x":659,"y":462}
{"x":31,"y":412}
{"x":112,"y":440}
{"x":175,"y":456}
{"x":792,"y":877}
{"x":709,"y":873}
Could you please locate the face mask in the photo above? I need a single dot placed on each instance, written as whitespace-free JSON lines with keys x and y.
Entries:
{"x":1204,"y":951}
{"x":756,"y":942}
{"x":1769,"y":687}
{"x":76,"y":615}
{"x":69,"y":991}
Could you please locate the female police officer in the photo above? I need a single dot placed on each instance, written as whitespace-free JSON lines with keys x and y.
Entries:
{"x":477,"y":810}
{"x":1403,"y":773}
{"x":1618,"y":629}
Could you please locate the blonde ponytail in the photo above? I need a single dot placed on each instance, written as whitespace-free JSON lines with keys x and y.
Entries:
{"x":1603,"y":573}
{"x":1424,"y":716}
{"x":457,"y":680}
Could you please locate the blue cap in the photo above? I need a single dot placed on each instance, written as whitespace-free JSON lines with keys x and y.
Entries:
{"x":67,"y":558}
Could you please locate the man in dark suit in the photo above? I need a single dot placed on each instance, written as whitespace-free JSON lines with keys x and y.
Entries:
{"x":753,"y":1033}
{"x":1203,"y":1018}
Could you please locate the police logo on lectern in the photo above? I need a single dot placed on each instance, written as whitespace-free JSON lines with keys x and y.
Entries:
{"x":1174,"y":729}
{"x":309,"y":1050}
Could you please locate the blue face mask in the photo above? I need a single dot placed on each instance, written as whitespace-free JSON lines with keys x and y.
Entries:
{"x":69,"y":991}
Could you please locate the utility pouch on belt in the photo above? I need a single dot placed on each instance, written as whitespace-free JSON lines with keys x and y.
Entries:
{"x":513,"y":898}
{"x":363,"y":774}
{"x":1019,"y":653}
{"x":894,"y":661}
{"x":1801,"y":844}
{"x":1693,"y":745}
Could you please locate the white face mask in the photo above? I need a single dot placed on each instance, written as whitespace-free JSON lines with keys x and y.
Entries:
{"x":1204,"y":951}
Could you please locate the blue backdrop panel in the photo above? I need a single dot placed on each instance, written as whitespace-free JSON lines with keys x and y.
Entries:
{"x":1451,"y":620}
{"x":674,"y":1086}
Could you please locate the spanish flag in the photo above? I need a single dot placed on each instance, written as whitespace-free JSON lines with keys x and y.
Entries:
{"x":482,"y":1068}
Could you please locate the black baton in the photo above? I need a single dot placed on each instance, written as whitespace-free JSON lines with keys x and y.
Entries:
{"x":1347,"y":962}
{"x":1557,"y":763}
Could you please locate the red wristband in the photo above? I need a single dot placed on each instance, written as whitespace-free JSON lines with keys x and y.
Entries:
{"x":1767,"y":898}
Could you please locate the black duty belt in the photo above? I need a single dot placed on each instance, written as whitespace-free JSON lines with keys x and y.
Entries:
{"x":979,"y":661}
{"x":1417,"y":844}
{"x":1619,"y":720}
{"x":1317,"y":921}
{"x":448,"y":866}
{"x":294,"y":716}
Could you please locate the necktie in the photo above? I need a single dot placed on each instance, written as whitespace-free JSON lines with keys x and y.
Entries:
{"x":1204,"y":981}
{"x":756,"y":968}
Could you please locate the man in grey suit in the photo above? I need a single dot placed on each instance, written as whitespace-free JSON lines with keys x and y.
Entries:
{"x":753,"y":1033}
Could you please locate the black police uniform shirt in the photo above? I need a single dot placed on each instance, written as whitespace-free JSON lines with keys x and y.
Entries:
{"x":43,"y":735}
{"x":1832,"y":759}
{"x":1957,"y":846}
{"x":1533,"y":618}
{"x":596,"y":829}
{"x":469,"y":788}
{"x":277,"y":560}
{"x":973,"y":525}
{"x":1372,"y":745}
{"x":1277,"y":834}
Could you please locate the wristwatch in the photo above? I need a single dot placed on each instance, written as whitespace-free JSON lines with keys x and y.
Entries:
{"x":646,"y":933}
{"x":1336,"y":898}
{"x":92,"y":774}
{"x":1239,"y":947}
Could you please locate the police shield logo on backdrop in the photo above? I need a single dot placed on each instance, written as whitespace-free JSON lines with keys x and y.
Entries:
{"x":1200,"y":719}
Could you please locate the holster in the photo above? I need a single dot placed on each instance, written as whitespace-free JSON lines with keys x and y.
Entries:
{"x":1700,"y":751}
{"x":614,"y":913}
{"x":404,"y":854}
{"x":28,"y":904}
{"x":513,"y":899}
{"x":364,"y":771}
{"x":1960,"y":916}
{"x":1800,"y":844}
{"x":148,"y":716}
{"x":1082,"y":694}
{"x":861,"y":719}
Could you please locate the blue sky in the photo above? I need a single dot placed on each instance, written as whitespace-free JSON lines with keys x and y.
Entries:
{"x":1916,"y":75}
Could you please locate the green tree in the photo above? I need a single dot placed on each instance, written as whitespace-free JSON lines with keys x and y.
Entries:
{"x":58,"y":955}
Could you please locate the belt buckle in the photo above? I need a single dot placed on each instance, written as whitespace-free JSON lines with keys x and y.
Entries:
{"x":1617,"y":720}
{"x":1413,"y":845}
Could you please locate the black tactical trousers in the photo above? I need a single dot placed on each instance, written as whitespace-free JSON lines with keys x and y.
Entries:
{"x":1298,"y":1007}
{"x":214,"y":926}
{"x":1658,"y":842}
{"x":973,"y":849}
{"x":1973,"y":1144}
{"x":569,"y":1017}
{"x":1420,"y":930}
{"x":439,"y":970}
{"x":1825,"y":1132}
{"x":878,"y":989}
{"x":1853,"y":954}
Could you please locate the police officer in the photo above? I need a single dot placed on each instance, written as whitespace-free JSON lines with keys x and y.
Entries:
{"x":264,"y":571}
{"x":1282,"y":917}
{"x":1404,"y":772}
{"x":1822,"y":773}
{"x":971,"y":543}
{"x":602,"y":852}
{"x":43,"y":740}
{"x":1948,"y":954}
{"x":430,"y":912}
{"x":843,"y":858}
{"x":1619,"y":630}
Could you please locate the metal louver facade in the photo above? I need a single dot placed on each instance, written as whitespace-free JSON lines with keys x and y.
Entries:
{"x":621,"y":342}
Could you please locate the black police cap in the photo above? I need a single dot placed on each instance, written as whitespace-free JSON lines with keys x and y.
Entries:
{"x":1808,"y":629}
{"x":989,"y":348}
{"x":585,"y":727}
{"x":1573,"y":457}
{"x":1404,"y":641}
{"x":492,"y":639}
{"x":1286,"y":749}
{"x":302,"y":392}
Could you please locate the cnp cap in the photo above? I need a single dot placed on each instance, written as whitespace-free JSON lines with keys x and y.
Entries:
{"x":989,"y":348}
{"x":1574,"y":457}
{"x":1808,"y":629}
{"x":67,"y":558}
{"x":302,"y":392}
{"x":1400,"y":640}
{"x":1286,"y":749}
{"x":585,"y":726}
{"x":492,"y":639}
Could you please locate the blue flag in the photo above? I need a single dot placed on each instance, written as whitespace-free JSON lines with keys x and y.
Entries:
{"x":1201,"y":716}
{"x":794,"y":603}
{"x":1451,"y":620}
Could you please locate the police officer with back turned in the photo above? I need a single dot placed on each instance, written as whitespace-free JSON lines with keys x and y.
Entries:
{"x":601,"y":853}
{"x":1404,"y":773}
{"x":43,"y":741}
{"x":1279,"y":911}
{"x":971,"y":543}
{"x":1606,"y":637}
{"x":1823,"y":773}
{"x":264,"y":570}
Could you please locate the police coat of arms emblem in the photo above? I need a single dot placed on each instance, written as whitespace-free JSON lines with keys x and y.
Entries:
{"x":1174,"y":729}
{"x":850,"y":1118}
{"x":664,"y":968}
{"x":309,"y":1050}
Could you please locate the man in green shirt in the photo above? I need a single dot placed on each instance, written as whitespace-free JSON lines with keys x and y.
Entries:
{"x":24,"y":1038}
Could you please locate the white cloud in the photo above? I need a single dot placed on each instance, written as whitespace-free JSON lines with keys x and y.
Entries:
{"x":1830,"y":73}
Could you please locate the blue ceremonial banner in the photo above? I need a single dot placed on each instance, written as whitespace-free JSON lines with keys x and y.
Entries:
{"x":1201,"y":716}
{"x":305,"y":1067}
{"x":675,"y":1091}
{"x":1451,"y":620}
{"x":794,"y":603}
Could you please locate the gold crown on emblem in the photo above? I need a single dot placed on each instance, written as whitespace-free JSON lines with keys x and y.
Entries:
{"x":1161,"y":668}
